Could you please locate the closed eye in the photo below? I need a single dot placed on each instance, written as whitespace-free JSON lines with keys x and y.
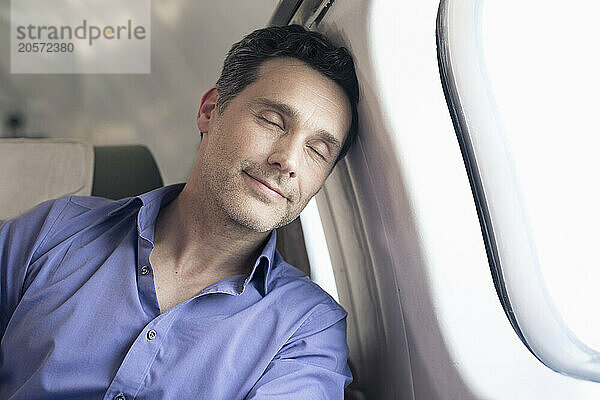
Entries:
{"x":271,"y":122}
{"x":316,"y":152}
{"x":271,"y":118}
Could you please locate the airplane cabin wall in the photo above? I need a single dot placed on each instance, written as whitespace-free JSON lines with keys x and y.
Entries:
{"x":425,"y":321}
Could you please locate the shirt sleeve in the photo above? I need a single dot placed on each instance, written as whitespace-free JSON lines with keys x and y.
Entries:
{"x":312,"y":364}
{"x":19,"y":238}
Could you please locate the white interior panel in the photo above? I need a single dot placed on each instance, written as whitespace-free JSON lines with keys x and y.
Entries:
{"x":443,"y":333}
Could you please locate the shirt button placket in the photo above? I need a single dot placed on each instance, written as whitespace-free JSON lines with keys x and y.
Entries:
{"x":145,"y":270}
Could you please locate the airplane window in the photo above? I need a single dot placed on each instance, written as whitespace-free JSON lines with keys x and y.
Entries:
{"x":522,"y":86}
{"x":550,"y":130}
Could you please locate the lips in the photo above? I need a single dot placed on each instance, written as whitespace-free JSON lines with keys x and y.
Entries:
{"x":268,"y":186}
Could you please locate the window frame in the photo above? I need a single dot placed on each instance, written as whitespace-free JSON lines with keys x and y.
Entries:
{"x":509,"y":244}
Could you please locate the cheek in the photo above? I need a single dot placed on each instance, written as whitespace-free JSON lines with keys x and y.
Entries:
{"x":253,"y":143}
{"x":311,"y":185}
{"x":232,"y":141}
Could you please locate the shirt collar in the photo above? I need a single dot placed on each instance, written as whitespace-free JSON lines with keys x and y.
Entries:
{"x":153,"y":201}
{"x":167,"y":193}
{"x":261,"y":273}
{"x":266,"y":259}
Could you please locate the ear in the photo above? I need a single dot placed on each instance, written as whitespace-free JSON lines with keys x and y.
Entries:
{"x":208,"y":105}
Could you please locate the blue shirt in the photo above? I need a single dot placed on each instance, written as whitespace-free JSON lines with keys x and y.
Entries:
{"x":79,"y":316}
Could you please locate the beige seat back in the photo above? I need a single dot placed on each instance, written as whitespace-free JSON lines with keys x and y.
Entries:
{"x":35,"y":170}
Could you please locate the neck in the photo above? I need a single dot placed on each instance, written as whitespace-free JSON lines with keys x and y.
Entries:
{"x":196,"y":239}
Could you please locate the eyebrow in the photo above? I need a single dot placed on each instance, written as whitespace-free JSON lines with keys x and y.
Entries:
{"x":293,"y":114}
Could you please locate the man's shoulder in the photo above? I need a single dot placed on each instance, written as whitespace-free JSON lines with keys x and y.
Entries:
{"x":317,"y":321}
{"x":52,"y":211}
{"x":69,"y":205}
{"x":90,"y":202}
{"x":295,"y":287}
{"x":77,"y":205}
{"x":65,"y":214}
{"x":77,"y":208}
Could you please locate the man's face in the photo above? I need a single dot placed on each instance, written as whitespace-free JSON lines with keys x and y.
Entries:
{"x":271,"y":149}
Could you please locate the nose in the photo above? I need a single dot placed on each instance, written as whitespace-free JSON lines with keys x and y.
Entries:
{"x":284,"y":157}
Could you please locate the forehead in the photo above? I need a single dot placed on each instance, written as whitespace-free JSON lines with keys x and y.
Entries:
{"x":319,"y":103}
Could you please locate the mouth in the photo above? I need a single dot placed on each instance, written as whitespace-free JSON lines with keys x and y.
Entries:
{"x":266,"y":187}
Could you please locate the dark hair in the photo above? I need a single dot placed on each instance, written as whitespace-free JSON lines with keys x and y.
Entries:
{"x":240,"y":67}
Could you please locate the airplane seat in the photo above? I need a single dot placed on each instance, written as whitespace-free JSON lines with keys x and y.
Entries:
{"x":35,"y":170}
{"x":123,"y":171}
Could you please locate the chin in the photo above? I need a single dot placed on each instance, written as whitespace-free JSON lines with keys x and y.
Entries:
{"x":255,"y":217}
{"x":260,"y":223}
{"x":254,"y":222}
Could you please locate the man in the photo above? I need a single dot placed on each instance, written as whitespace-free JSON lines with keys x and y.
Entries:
{"x":179,"y":293}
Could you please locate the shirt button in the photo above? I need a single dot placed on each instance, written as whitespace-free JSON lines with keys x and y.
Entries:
{"x":151,"y":334}
{"x":145,"y":270}
{"x":120,"y":397}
